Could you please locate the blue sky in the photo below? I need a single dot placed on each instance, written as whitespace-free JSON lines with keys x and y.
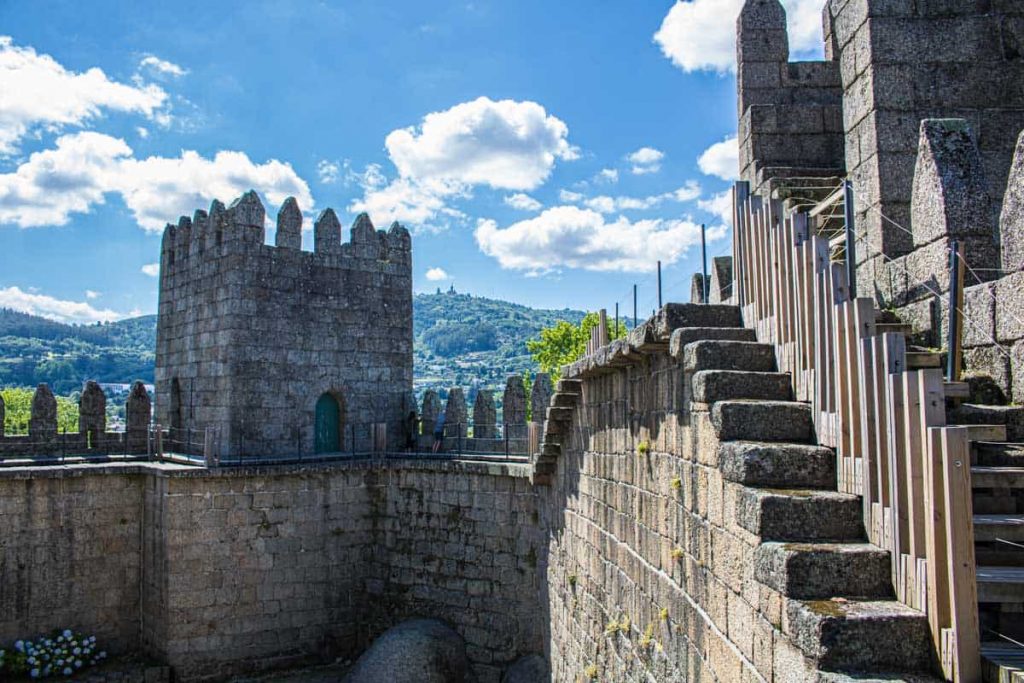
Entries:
{"x":544,"y":153}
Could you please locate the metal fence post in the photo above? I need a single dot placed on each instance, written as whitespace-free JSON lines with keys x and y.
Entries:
{"x":955,"y":318}
{"x":704,"y":288}
{"x":851,"y":240}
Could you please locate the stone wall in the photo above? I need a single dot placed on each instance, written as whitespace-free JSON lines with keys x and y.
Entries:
{"x":70,"y":555}
{"x":218,"y":572}
{"x":250,"y":336}
{"x":650,"y":573}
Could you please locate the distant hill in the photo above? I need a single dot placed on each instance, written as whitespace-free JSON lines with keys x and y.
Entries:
{"x":459,"y":340}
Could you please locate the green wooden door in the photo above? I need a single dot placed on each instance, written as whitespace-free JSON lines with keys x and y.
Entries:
{"x":328,"y":425}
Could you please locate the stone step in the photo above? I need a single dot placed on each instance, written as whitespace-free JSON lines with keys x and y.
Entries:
{"x":762,"y":421}
{"x":711,"y":386}
{"x":1001,"y":662}
{"x":569,"y":386}
{"x":800,"y":515}
{"x":673,"y":316}
{"x":988,"y":528}
{"x":728,"y":355}
{"x":757,"y":463}
{"x":556,"y":414}
{"x":820,"y":571}
{"x":883,"y":677}
{"x":860,"y":635}
{"x":687,"y":335}
{"x":997,"y":454}
{"x":972,"y":414}
{"x":997,"y":477}
{"x":1001,"y":584}
{"x":562,"y":400}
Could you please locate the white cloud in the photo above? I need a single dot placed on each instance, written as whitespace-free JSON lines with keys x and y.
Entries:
{"x":506,"y":145}
{"x":645,"y":160}
{"x":523,"y":202}
{"x":721,"y":159}
{"x":328,"y":171}
{"x":700,"y":35}
{"x":151,"y":269}
{"x":90,"y":294}
{"x":161,"y":67}
{"x":437,"y":274}
{"x":605,"y":204}
{"x":83,"y":168}
{"x":719,"y":205}
{"x":607,"y":175}
{"x":572,"y":237}
{"x":142,"y":132}
{"x":53,"y":308}
{"x":37,"y":91}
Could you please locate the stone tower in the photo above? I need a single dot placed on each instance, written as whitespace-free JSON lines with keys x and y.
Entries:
{"x":280,"y":350}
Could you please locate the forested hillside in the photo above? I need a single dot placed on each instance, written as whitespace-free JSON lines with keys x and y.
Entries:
{"x":460,"y":340}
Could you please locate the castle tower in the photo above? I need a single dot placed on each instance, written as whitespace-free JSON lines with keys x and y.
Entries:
{"x":282,"y":351}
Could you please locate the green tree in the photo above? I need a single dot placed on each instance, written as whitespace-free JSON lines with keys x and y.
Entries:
{"x":18,"y":410}
{"x":565,"y":343}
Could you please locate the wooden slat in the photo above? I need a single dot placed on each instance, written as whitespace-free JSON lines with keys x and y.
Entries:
{"x":914,"y":447}
{"x":956,"y":466}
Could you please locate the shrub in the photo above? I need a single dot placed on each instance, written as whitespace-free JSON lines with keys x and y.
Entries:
{"x":62,"y":654}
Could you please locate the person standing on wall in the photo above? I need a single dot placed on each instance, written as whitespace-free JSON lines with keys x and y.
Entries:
{"x":439,"y":432}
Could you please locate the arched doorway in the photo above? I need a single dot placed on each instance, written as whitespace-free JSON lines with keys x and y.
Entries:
{"x":328,"y":425}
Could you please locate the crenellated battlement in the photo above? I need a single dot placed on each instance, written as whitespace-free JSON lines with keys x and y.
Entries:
{"x":251,"y":336}
{"x":210,"y":236}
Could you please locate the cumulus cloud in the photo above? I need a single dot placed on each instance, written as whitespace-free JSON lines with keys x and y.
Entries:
{"x":574,"y":237}
{"x":90,"y":294}
{"x":55,"y":309}
{"x":607,"y":175}
{"x":36,"y":91}
{"x":523,"y":202}
{"x":328,"y":171}
{"x":605,"y":204}
{"x":720,"y":205}
{"x":645,"y":160}
{"x":437,"y":274}
{"x":700,"y":35}
{"x":83,"y":168}
{"x":151,"y":269}
{"x":505,"y":145}
{"x":721,"y":159}
{"x":162,"y":67}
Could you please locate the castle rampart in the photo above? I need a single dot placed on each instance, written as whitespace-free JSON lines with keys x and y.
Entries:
{"x":258,"y":342}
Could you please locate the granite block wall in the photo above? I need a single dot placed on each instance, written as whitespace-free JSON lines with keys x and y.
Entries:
{"x":250,"y":336}
{"x":218,"y":573}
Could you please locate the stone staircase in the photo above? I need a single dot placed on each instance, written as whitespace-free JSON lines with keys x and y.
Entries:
{"x":837,"y":587}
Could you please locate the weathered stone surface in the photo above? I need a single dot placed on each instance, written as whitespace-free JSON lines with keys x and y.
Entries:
{"x":540,"y":396}
{"x":528,"y":669}
{"x":42,"y":423}
{"x":514,"y":401}
{"x":416,"y":651}
{"x":721,"y":280}
{"x":92,"y":411}
{"x":673,"y":316}
{"x":289,"y":225}
{"x":777,"y":464}
{"x":819,"y":571}
{"x":728,"y":355}
{"x":431,"y":411}
{"x":710,"y":386}
{"x":1011,"y":221}
{"x":138,"y":411}
{"x":970,"y":414}
{"x":795,"y":515}
{"x":846,"y":636}
{"x":762,"y":421}
{"x":485,"y":416}
{"x":687,"y":335}
{"x":950,"y":194}
{"x":327,"y":233}
{"x":697,"y":289}
{"x":1010,"y":308}
{"x":456,"y":419}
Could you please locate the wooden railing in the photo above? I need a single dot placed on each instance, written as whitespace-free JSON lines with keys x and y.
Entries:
{"x":885,"y":422}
